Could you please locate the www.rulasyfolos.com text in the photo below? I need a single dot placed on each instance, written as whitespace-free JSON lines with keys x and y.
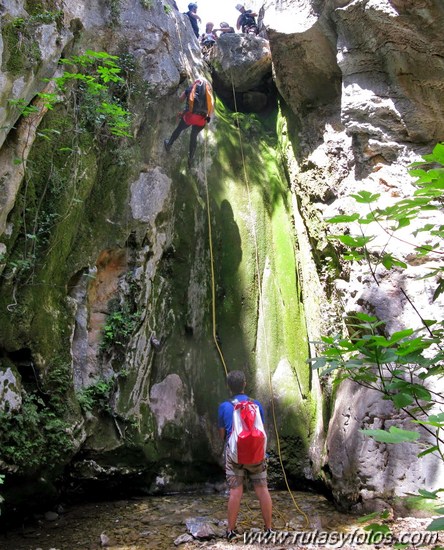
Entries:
{"x":337,"y":539}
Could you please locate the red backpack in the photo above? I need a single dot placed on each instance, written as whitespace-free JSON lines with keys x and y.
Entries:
{"x":248,"y":440}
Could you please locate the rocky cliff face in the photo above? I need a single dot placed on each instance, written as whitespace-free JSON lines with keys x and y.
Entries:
{"x":362,"y":82}
{"x":106,"y":325}
{"x":109,"y":371}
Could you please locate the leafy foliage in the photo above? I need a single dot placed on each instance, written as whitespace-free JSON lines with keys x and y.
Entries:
{"x":34,"y":437}
{"x":96,"y":396}
{"x":119,"y":326}
{"x":402,"y":366}
{"x":96,"y":73}
{"x":94,"y":80}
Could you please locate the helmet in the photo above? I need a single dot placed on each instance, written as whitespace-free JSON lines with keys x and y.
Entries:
{"x":239,"y":7}
{"x":224,"y":25}
{"x":192,"y":6}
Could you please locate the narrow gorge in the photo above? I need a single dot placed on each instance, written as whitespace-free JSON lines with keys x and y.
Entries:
{"x":124,"y":273}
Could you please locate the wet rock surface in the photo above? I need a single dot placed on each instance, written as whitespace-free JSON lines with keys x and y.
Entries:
{"x":171,"y":521}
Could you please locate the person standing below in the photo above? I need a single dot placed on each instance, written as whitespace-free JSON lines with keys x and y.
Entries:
{"x":198,"y":111}
{"x":235,"y":473}
{"x":194,"y":18}
{"x":246,"y":20}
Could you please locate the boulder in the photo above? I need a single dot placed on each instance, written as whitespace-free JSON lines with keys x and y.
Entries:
{"x":241,"y":61}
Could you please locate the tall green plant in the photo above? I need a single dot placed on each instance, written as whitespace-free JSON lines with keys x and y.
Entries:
{"x":95,"y":74}
{"x":94,"y":80}
{"x":402,"y":366}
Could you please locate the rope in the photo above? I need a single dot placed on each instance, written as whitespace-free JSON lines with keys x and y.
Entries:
{"x":307,"y":522}
{"x":213,"y":284}
{"x":210,"y":239}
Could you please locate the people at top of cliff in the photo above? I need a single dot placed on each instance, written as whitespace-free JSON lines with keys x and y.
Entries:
{"x":208,"y":39}
{"x":246,"y":20}
{"x":194,"y":18}
{"x":225,"y":28}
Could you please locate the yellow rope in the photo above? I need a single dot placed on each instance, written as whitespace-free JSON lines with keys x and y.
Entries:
{"x":307,"y":522}
{"x":213,"y":284}
{"x":210,"y":239}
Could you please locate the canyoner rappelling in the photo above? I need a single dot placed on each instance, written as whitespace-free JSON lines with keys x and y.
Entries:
{"x":198,"y":111}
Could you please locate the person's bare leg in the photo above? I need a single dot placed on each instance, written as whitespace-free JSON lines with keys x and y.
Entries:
{"x":264,"y":497}
{"x":234,"y":505}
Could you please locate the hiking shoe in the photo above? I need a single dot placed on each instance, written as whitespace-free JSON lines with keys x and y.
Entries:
{"x":231,"y":535}
{"x":190,"y":162}
{"x":269,"y":534}
{"x":166,"y":144}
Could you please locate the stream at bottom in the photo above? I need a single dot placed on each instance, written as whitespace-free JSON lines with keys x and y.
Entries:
{"x":143,"y":523}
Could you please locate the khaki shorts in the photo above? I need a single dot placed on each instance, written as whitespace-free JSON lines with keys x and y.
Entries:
{"x":236,"y":472}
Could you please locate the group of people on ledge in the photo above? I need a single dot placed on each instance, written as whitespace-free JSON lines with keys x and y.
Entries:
{"x":245,"y":22}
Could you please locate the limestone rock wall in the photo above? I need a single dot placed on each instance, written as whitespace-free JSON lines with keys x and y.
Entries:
{"x":361,"y":83}
{"x":106,"y":289}
{"x":87,"y":224}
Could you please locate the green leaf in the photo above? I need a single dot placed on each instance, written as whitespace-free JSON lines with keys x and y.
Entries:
{"x":428,"y":494}
{"x":377,"y":528}
{"x":438,"y":290}
{"x":403,"y":222}
{"x":366,"y":197}
{"x":388,"y":261}
{"x":352,"y":241}
{"x":402,"y":400}
{"x":400,"y":335}
{"x":343,"y":219}
{"x":353,"y":256}
{"x":437,"y":417}
{"x":421,"y":392}
{"x":436,"y":525}
{"x":368,"y":517}
{"x":428,"y":451}
{"x":394,"y":435}
{"x":438,"y":153}
{"x":317,"y":362}
{"x":365,"y":317}
{"x":436,"y":420}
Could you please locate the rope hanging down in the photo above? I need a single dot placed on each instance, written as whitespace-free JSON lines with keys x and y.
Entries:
{"x":213,"y":284}
{"x":261,"y":305}
{"x":210,"y":239}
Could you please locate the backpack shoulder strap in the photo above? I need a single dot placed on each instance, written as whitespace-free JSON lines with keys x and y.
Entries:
{"x":236,"y":401}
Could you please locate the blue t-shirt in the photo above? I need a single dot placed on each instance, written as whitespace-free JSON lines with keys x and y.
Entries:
{"x":225,"y":413}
